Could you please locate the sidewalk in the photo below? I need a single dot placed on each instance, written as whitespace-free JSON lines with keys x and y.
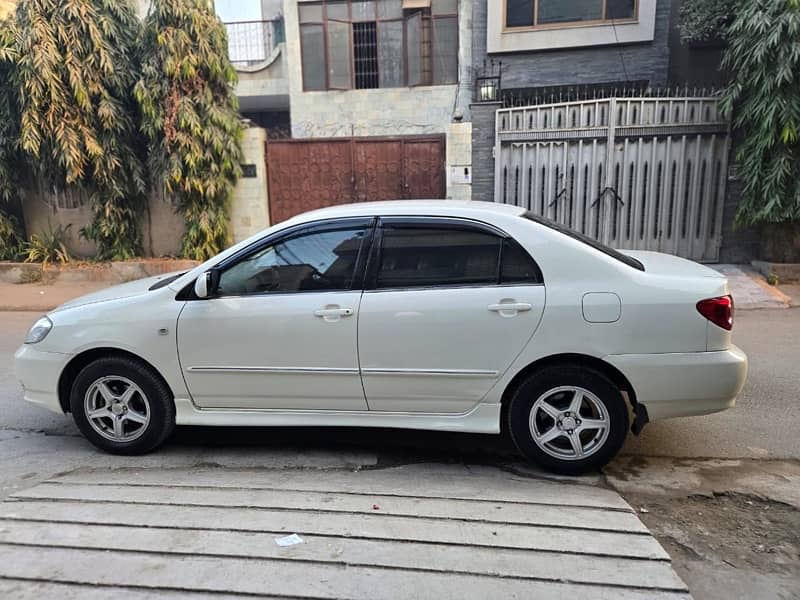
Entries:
{"x":39,"y":297}
{"x":750,"y":291}
{"x":408,"y":532}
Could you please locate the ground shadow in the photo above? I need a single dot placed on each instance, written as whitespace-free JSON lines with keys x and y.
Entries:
{"x":389,"y":445}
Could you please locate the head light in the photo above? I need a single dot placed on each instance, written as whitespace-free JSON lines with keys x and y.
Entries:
{"x":39,"y":331}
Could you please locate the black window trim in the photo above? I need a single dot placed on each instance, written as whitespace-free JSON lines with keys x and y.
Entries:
{"x":458,"y":223}
{"x":334,"y":224}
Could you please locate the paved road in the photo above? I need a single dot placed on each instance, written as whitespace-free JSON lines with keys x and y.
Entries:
{"x":764,"y":423}
{"x":36,"y":445}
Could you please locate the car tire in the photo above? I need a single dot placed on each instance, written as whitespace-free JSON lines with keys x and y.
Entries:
{"x":548,"y":431}
{"x":122,"y":406}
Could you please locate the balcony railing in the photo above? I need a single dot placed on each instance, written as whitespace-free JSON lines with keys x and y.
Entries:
{"x":252,"y":42}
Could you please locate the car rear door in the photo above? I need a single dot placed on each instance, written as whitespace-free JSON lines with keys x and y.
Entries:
{"x":448,"y":305}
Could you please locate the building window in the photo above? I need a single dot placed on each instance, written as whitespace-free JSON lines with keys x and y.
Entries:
{"x":361,"y":44}
{"x":365,"y":54}
{"x":252,"y":33}
{"x":553,"y":13}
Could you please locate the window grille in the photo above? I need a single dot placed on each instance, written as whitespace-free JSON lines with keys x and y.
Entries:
{"x":365,"y":54}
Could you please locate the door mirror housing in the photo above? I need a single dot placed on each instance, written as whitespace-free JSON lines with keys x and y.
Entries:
{"x":205,"y":286}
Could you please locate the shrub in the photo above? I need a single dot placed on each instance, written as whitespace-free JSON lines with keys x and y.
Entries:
{"x":48,"y":247}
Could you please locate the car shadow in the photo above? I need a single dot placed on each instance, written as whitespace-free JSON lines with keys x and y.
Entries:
{"x":391,"y":446}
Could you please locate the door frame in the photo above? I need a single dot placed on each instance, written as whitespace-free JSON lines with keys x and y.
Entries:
{"x":411,"y":221}
{"x":369,"y":223}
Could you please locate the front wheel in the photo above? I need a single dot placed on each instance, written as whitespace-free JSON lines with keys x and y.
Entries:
{"x":122,"y":406}
{"x":568,"y":419}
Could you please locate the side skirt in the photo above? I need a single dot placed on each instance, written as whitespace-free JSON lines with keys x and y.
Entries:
{"x":484,"y":418}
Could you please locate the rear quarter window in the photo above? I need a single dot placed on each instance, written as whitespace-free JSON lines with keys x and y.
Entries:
{"x":585,"y":239}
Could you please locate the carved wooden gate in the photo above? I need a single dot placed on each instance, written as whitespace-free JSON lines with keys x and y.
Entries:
{"x":309,"y":174}
{"x":639,"y":173}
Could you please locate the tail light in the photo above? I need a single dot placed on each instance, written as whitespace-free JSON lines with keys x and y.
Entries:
{"x":718,"y":310}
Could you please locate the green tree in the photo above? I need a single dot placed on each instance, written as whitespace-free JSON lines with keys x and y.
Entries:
{"x":763,"y":57}
{"x":9,"y":119}
{"x":706,"y":20}
{"x":74,"y":73}
{"x":190,"y":117}
{"x":8,"y":114}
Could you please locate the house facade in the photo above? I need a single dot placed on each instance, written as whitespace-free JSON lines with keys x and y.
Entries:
{"x":576,"y":117}
{"x":379,"y":94}
{"x":555,"y":48}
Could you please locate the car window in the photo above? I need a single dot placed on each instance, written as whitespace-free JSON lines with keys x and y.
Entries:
{"x":317,"y":261}
{"x":518,"y":266}
{"x":616,"y":254}
{"x":433,"y":256}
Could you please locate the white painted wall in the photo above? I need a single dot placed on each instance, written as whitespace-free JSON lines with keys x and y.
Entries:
{"x":250,"y":204}
{"x":458,"y":150}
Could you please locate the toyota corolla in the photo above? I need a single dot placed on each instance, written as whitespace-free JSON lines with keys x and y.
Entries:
{"x":438,"y":315}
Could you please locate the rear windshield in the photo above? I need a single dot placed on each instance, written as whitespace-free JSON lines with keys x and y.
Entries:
{"x":624,"y":258}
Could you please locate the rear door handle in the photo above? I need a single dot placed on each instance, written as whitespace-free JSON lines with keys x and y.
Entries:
{"x":509,"y":309}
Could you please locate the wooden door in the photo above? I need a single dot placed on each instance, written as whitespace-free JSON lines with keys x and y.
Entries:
{"x":307,"y":174}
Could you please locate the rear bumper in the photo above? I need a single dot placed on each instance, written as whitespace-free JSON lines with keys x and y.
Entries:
{"x":683,"y":385}
{"x":38,"y":372}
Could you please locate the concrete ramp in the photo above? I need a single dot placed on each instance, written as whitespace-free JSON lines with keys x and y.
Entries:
{"x":412,"y":532}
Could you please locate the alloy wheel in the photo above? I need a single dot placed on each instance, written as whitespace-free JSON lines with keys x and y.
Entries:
{"x":117,"y":408}
{"x":569,"y":423}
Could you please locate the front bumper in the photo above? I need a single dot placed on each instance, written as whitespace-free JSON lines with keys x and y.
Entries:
{"x":685,"y":384}
{"x":38,"y":372}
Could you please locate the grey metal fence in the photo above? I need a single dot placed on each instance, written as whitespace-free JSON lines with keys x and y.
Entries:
{"x":642,"y":173}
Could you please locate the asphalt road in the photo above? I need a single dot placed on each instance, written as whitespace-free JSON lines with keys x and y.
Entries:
{"x":764,"y":423}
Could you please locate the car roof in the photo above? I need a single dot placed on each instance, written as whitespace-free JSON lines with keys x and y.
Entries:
{"x":448,"y":208}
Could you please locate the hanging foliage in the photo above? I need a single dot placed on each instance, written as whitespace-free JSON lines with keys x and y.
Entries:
{"x":75,"y":72}
{"x":190,"y":117}
{"x":763,"y":57}
{"x":8,"y":115}
{"x":10,"y":240}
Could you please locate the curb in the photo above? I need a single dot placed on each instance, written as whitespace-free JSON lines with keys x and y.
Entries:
{"x":109,"y":273}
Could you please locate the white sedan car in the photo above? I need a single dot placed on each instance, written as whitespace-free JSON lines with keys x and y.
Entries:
{"x":441,"y":315}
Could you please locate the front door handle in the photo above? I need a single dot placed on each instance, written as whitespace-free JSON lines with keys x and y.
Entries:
{"x":333,"y":313}
{"x":509,"y":309}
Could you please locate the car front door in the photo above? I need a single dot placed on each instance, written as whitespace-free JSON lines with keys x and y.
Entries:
{"x":450,"y":303}
{"x":281,"y":330}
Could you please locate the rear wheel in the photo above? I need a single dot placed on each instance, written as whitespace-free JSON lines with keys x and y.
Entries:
{"x":122,"y":406}
{"x":568,"y":419}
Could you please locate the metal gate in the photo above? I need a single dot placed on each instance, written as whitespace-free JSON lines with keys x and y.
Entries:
{"x":308,"y":174}
{"x":637,"y":173}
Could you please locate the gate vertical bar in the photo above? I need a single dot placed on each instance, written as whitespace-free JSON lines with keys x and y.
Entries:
{"x":723,"y":183}
{"x":498,"y":156}
{"x":694,"y":197}
{"x":603,"y":204}
{"x":649,"y":221}
{"x":523,"y":180}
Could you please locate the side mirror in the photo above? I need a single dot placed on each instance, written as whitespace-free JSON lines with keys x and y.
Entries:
{"x":205,"y":286}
